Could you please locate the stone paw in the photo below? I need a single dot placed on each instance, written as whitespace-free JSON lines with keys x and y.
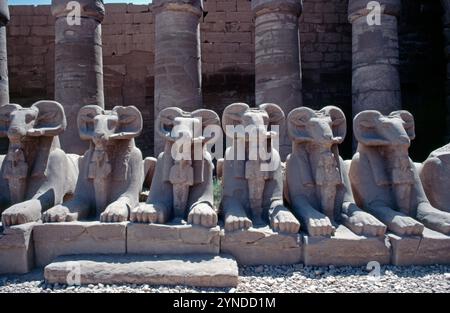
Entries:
{"x":21,"y":213}
{"x":59,"y":214}
{"x":285,"y":222}
{"x":202,"y":214}
{"x":233,"y":222}
{"x":438,"y":221}
{"x":320,"y":226}
{"x":364,"y":224}
{"x":115,"y":212}
{"x":405,"y":226}
{"x":149,"y":213}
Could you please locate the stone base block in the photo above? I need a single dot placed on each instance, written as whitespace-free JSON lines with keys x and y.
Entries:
{"x":262,"y":246}
{"x":172,"y":239}
{"x":54,"y":239}
{"x":16,"y":249}
{"x":345,"y":248}
{"x":431,"y":248}
{"x":189,"y":270}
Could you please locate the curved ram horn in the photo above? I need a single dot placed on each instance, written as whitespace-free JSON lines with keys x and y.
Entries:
{"x":365,"y":129}
{"x":85,"y":120}
{"x":297,"y":120}
{"x":51,"y":119}
{"x":165,"y":118}
{"x":130,"y":122}
{"x":409,"y":122}
{"x":5,"y":111}
{"x":338,"y":122}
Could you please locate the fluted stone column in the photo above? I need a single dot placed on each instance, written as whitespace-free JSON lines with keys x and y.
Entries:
{"x":375,"y":76}
{"x":4,"y":19}
{"x":278,"y":76}
{"x":78,"y":64}
{"x":177,"y":57}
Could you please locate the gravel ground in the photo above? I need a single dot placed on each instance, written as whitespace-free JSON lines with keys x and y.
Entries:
{"x":290,"y":278}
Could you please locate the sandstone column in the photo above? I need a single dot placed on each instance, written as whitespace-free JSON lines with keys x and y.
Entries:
{"x":4,"y":19}
{"x":177,"y":57}
{"x":78,"y":63}
{"x":278,"y":76}
{"x":375,"y":76}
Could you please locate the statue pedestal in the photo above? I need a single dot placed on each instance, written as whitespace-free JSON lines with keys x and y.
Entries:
{"x":431,"y":248}
{"x":172,"y":239}
{"x":16,"y":249}
{"x":345,"y":248}
{"x":261,"y":246}
{"x":189,"y":270}
{"x":70,"y":238}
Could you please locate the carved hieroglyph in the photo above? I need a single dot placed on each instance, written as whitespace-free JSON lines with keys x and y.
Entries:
{"x":375,"y":55}
{"x":35,"y":174}
{"x":317,"y":182}
{"x":278,"y":76}
{"x":4,"y":87}
{"x":78,"y":63}
{"x":178,"y":72}
{"x":111,"y":170}
{"x":252,"y":186}
{"x":385,"y":181}
{"x":182,"y":186}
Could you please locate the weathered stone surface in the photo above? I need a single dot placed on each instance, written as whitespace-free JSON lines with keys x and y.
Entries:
{"x":111,"y":172}
{"x":35,"y":174}
{"x":4,"y":85}
{"x":172,"y":239}
{"x":177,"y":58}
{"x":277,"y":63}
{"x":190,"y":270}
{"x":375,"y":57}
{"x":261,"y":245}
{"x":54,"y":239}
{"x":78,"y":66}
{"x":252,"y":179}
{"x":316,"y":182}
{"x":16,"y":249}
{"x":430,"y":248}
{"x":183,"y":178}
{"x":385,"y":182}
{"x":345,"y":248}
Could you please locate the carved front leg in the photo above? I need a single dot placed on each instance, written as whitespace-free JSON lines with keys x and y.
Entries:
{"x":282,"y":220}
{"x":202,"y":214}
{"x":434,"y":218}
{"x":234,"y":215}
{"x":117,"y":211}
{"x":360,"y":222}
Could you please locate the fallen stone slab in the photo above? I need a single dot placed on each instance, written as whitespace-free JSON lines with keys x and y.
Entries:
{"x":261,"y":245}
{"x":189,"y":270}
{"x":345,"y":248}
{"x":16,"y":249}
{"x":172,"y":239}
{"x":54,"y":239}
{"x":431,"y":248}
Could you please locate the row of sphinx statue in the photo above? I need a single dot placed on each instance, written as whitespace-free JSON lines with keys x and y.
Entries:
{"x":381,"y":189}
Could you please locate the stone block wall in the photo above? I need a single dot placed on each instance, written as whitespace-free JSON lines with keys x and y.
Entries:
{"x":227,"y":39}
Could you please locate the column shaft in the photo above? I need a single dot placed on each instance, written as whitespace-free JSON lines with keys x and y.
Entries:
{"x":375,"y":76}
{"x":78,"y":65}
{"x":177,"y":57}
{"x":277,"y":59}
{"x":4,"y":86}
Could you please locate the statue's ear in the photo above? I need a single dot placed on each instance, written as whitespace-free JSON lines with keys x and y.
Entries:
{"x":338,"y":122}
{"x":296,"y":123}
{"x":276,"y":115}
{"x":408,"y":120}
{"x":130,"y":122}
{"x":5,"y":117}
{"x":51,"y":119}
{"x":165,"y":121}
{"x":85,"y":120}
{"x":366,"y":128}
{"x":232,"y":116}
